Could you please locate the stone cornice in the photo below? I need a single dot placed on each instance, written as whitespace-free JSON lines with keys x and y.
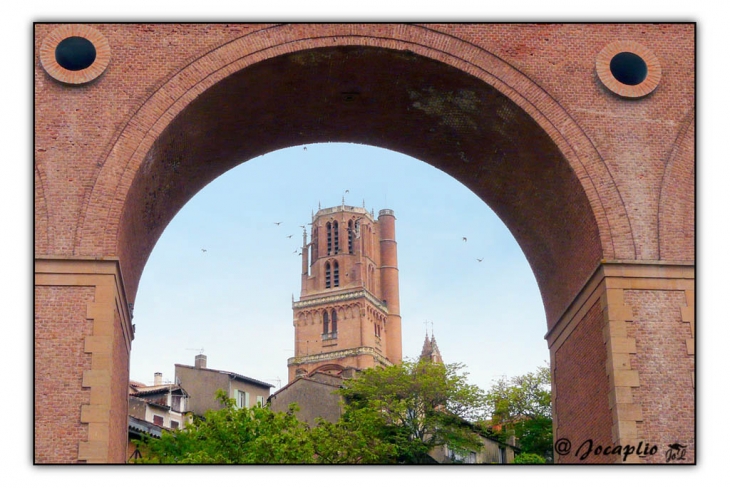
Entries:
{"x":329,"y":356}
{"x":353,"y":295}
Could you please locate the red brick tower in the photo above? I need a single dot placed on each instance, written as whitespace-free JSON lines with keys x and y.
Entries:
{"x":348,"y":314}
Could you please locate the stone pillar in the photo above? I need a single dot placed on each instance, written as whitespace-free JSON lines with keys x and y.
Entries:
{"x":83,"y":334}
{"x":637,"y":319}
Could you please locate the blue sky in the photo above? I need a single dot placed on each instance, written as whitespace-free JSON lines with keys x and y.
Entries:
{"x":234,"y":300}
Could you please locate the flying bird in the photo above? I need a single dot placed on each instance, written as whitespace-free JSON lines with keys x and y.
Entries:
{"x":277,"y":223}
{"x":480,"y":260}
{"x":204,"y":250}
{"x":289,"y":236}
{"x":305,"y":148}
{"x":464,"y":239}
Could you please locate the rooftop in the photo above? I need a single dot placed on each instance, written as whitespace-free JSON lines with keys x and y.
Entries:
{"x":231,"y":374}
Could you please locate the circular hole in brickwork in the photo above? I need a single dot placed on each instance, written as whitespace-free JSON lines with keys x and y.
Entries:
{"x":628,"y":68}
{"x":75,"y":53}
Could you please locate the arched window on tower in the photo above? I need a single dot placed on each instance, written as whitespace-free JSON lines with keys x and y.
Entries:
{"x":350,"y":232}
{"x":334,"y":323}
{"x":315,"y":245}
{"x":325,"y":323}
{"x":337,"y":273}
{"x":329,"y":238}
{"x":327,"y":275}
{"x":336,"y":231}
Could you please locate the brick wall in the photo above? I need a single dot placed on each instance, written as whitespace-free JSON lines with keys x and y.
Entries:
{"x":60,"y":329}
{"x":581,"y":396}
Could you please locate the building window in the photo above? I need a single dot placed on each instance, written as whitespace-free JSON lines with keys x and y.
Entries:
{"x":327,"y":276}
{"x":174,"y":424}
{"x":337,"y":273}
{"x":334,"y":321}
{"x":337,"y":237}
{"x":326,"y":323}
{"x":157,"y":420}
{"x":329,"y":238}
{"x":241,"y":398}
{"x":259,"y":400}
{"x":350,"y":232}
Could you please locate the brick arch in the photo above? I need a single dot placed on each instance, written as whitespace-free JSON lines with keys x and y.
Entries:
{"x":134,"y":194}
{"x":676,"y":223}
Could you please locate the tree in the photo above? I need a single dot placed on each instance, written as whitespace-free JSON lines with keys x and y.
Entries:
{"x":422,"y":405}
{"x":523,"y":404}
{"x":528,"y":458}
{"x":259,"y":436}
{"x":234,"y":436}
{"x":359,"y":437}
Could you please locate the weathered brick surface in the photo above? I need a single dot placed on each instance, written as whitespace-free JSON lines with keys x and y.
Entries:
{"x":581,"y":394}
{"x":514,"y":111}
{"x":664,"y":366}
{"x":120,"y":384}
{"x":60,"y":329}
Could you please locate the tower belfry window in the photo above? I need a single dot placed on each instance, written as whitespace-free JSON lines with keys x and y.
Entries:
{"x":327,"y":275}
{"x":336,"y":237}
{"x":329,"y":238}
{"x":334,"y":321}
{"x":337,"y":273}
{"x":326,"y":323}
{"x":350,"y":231}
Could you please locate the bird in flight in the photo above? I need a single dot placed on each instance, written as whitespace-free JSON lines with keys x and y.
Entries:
{"x":464,"y":239}
{"x":277,"y":223}
{"x":204,"y":250}
{"x":305,"y":148}
{"x":289,"y":236}
{"x":480,"y":260}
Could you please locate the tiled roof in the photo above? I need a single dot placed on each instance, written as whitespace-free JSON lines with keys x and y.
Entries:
{"x":149,"y":390}
{"x":231,"y":374}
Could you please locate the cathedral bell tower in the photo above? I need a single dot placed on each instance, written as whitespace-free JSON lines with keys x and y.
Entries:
{"x":348,"y":313}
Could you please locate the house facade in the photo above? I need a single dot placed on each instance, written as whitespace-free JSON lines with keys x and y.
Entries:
{"x":202,"y":383}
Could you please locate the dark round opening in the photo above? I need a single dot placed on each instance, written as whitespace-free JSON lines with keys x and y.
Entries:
{"x":75,"y":53}
{"x":628,"y":68}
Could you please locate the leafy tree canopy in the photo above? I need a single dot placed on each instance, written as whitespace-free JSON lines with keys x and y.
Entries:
{"x":260,"y":436}
{"x":422,"y":405}
{"x":523,"y":404}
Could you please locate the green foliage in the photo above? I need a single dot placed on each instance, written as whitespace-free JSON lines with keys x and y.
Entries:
{"x":260,"y":436}
{"x":528,"y":458}
{"x":359,"y":437}
{"x":422,"y":405}
{"x":234,"y":436}
{"x":522,"y":404}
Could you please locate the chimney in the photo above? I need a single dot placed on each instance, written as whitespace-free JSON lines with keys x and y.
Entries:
{"x":158,"y":379}
{"x":201,"y":361}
